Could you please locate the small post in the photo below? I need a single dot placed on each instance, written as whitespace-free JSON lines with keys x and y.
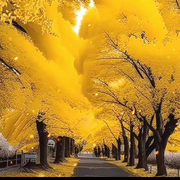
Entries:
{"x":178,"y":171}
{"x":22,"y":158}
{"x":150,"y":169}
{"x":16,"y":158}
{"x":7,"y":162}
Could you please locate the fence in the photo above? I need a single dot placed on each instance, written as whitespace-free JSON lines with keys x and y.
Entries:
{"x":10,"y":162}
{"x":17,"y":160}
{"x":28,"y":157}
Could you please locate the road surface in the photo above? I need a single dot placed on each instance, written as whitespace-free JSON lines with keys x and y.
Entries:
{"x":91,"y":166}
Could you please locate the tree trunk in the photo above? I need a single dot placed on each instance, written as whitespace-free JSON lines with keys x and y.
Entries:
{"x":72,"y":147}
{"x":114,"y":152}
{"x":132,"y":149}
{"x":161,"y":168}
{"x":105,"y":150}
{"x":67,"y":147}
{"x":142,"y":159}
{"x":59,"y":150}
{"x":63,"y":149}
{"x":160,"y":147}
{"x":126,"y":149}
{"x":108,"y":151}
{"x":77,"y":151}
{"x":140,"y":151}
{"x":43,"y":139}
{"x":119,"y":149}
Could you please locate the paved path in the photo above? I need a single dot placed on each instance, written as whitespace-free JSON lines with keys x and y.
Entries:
{"x":90,"y":166}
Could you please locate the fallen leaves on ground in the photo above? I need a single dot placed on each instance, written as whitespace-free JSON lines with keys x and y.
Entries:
{"x":132,"y":170}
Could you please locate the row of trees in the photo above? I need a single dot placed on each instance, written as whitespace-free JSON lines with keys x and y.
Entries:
{"x":134,"y":74}
{"x":143,"y":110}
{"x":35,"y":78}
{"x":65,"y":146}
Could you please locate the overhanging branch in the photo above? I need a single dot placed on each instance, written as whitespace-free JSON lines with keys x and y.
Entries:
{"x":14,"y":70}
{"x":110,"y":130}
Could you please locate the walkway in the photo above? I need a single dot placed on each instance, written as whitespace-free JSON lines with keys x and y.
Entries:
{"x":90,"y":166}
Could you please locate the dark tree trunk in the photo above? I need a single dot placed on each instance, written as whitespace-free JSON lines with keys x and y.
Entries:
{"x":72,"y":146}
{"x":43,"y":139}
{"x":161,"y":168}
{"x":77,"y":151}
{"x":126,"y":149}
{"x":132,"y":149}
{"x":126,"y":143}
{"x":114,"y":152}
{"x":95,"y":152}
{"x":108,"y":152}
{"x":67,"y":147}
{"x":119,"y":149}
{"x":160,"y":147}
{"x":63,"y":148}
{"x":113,"y":156}
{"x":70,"y":142}
{"x":105,"y":150}
{"x":58,"y":158}
{"x":140,"y":150}
{"x":142,"y":159}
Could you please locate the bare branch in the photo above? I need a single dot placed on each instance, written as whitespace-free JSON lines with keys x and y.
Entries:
{"x":177,"y":3}
{"x":119,"y":103}
{"x":124,"y":15}
{"x":103,"y":82}
{"x":139,"y":67}
{"x":113,"y":95}
{"x":135,"y":136}
{"x":143,"y":94}
{"x":15,"y":71}
{"x":126,"y":129}
{"x":152,"y":118}
{"x":124,"y":73}
{"x":114,"y":44}
{"x":109,"y":58}
{"x":156,"y":133}
{"x":126,"y":122}
{"x":110,"y":130}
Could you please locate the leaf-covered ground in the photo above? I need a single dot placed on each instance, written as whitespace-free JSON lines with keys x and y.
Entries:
{"x":140,"y":172}
{"x":132,"y":170}
{"x":65,"y":169}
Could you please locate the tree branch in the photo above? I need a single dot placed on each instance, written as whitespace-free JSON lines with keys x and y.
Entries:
{"x":143,"y":94}
{"x":136,"y":136}
{"x":177,"y":3}
{"x":139,"y":67}
{"x":110,"y":130}
{"x":156,"y":133}
{"x":124,"y":73}
{"x":109,"y":58}
{"x":126,"y":129}
{"x":112,"y":94}
{"x":15,"y":71}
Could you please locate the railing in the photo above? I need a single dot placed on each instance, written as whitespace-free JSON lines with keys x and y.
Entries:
{"x":25,"y":158}
{"x":17,"y":160}
{"x":10,"y":162}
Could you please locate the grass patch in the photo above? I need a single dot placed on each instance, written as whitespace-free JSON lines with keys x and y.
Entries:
{"x":65,"y":169}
